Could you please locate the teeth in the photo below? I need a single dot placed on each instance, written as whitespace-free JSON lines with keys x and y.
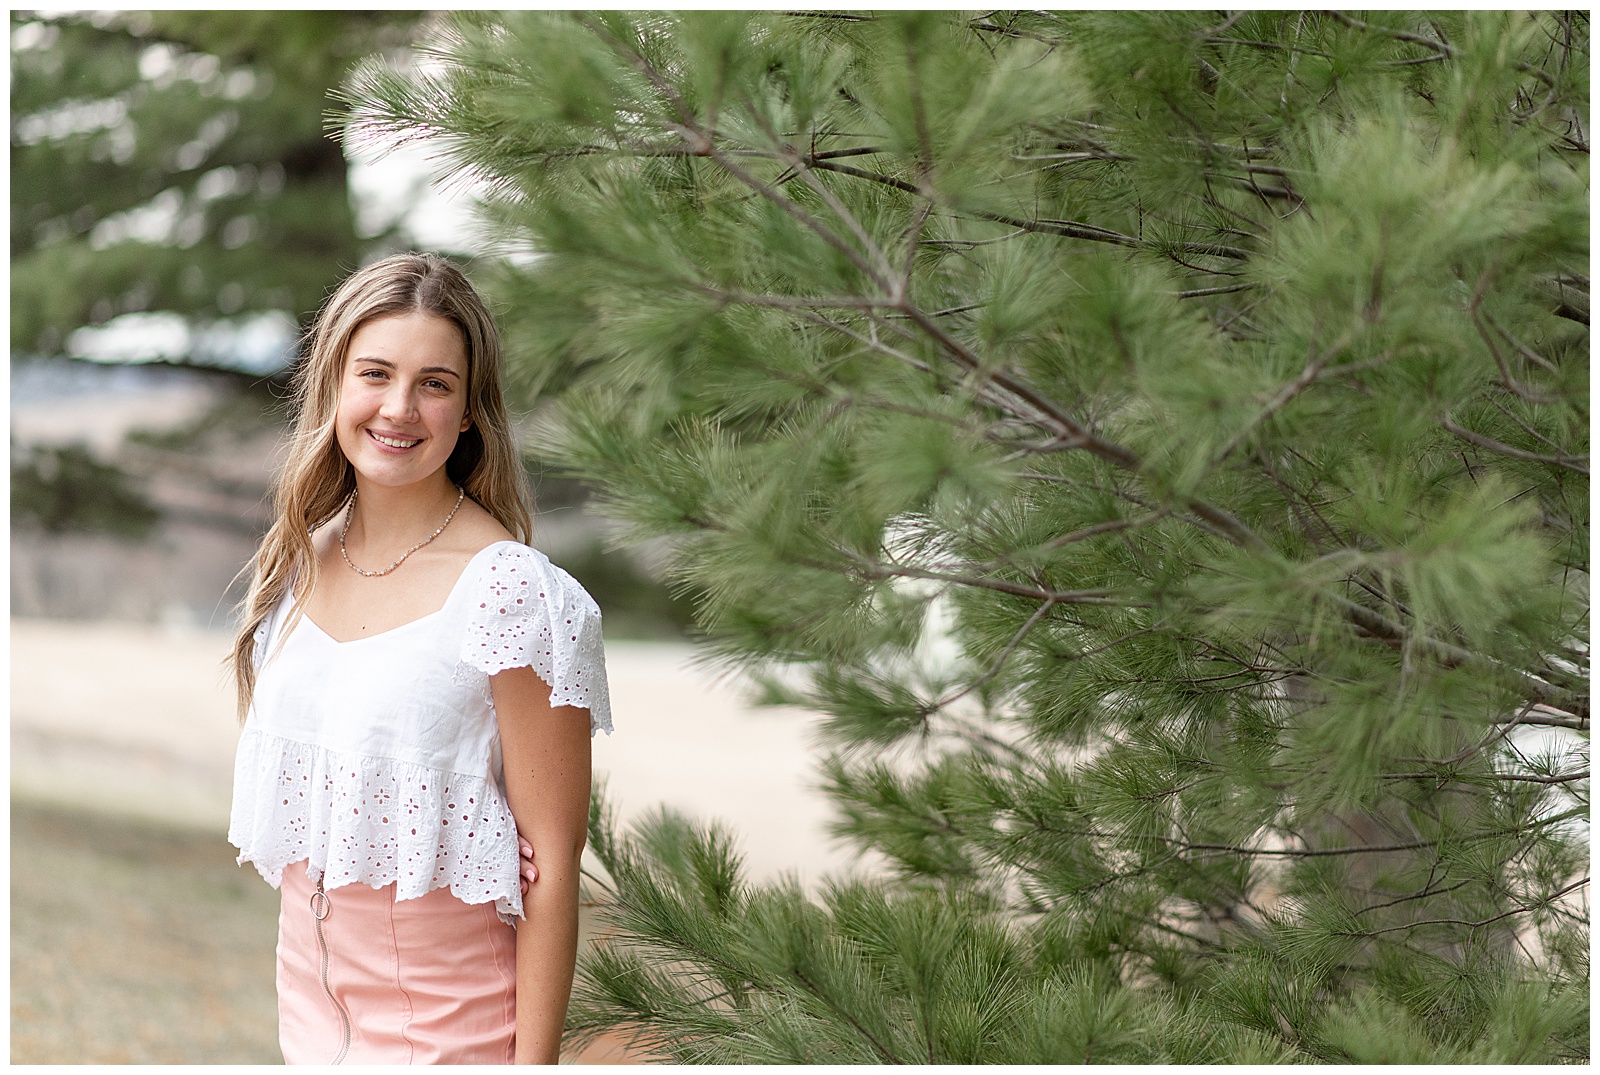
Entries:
{"x":391,"y":442}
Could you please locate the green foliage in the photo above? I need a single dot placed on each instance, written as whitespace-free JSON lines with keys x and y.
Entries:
{"x":1155,"y":443}
{"x":66,"y":489}
{"x":176,"y":161}
{"x":636,"y":605}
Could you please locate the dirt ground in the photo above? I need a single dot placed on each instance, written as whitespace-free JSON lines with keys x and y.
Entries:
{"x":136,"y":944}
{"x":139,"y":943}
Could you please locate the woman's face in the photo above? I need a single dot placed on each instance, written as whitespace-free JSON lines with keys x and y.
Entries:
{"x":402,"y":398}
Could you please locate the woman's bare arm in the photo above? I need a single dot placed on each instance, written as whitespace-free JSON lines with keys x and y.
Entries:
{"x":546,"y":756}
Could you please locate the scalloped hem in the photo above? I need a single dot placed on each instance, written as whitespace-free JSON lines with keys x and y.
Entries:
{"x":376,"y":821}
{"x":474,"y":677}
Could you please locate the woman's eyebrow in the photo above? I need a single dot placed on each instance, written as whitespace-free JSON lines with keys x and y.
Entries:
{"x":384,"y":362}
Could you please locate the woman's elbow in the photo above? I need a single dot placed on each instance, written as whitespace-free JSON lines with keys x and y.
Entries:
{"x":560,"y":852}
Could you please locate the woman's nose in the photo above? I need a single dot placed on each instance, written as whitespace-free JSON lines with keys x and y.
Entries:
{"x":399,"y":403}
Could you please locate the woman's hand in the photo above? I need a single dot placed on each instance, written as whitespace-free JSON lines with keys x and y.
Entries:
{"x":530,"y":872}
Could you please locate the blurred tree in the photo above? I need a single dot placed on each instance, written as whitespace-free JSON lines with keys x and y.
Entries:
{"x":176,"y":161}
{"x":1155,"y":443}
{"x":62,"y":489}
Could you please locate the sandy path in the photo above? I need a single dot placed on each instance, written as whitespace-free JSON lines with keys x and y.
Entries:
{"x":167,"y":958}
{"x":138,"y":720}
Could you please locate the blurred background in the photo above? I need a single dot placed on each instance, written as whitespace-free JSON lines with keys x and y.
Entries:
{"x":178,"y":213}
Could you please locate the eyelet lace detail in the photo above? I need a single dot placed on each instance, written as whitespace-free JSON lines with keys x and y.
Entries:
{"x":526,"y":612}
{"x":258,"y":648}
{"x":373,"y":820}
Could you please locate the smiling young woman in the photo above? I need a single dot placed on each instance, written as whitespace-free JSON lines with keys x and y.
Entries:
{"x":418,"y":688}
{"x":402,"y":398}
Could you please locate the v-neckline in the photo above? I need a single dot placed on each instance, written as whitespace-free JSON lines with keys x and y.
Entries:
{"x":420,"y":619}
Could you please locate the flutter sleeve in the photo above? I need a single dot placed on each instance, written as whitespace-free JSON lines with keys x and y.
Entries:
{"x":526,"y":612}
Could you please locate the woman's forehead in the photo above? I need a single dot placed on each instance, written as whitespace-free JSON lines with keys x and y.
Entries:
{"x":412,"y":337}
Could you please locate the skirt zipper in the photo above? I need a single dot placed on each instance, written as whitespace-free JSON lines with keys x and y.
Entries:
{"x":320,"y":905}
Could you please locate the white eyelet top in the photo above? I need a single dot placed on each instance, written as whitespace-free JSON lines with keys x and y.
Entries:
{"x":378,"y":759}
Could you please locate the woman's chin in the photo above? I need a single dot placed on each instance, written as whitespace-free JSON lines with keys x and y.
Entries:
{"x":389,"y":473}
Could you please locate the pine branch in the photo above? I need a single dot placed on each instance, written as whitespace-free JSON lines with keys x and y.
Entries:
{"x":704,"y":145}
{"x":1424,"y":893}
{"x":1451,"y":656}
{"x":1468,"y":922}
{"x":1475,"y":309}
{"x":1522,"y":349}
{"x":1313,"y":369}
{"x":1524,"y":426}
{"x":1574,"y":463}
{"x":885,"y":271}
{"x":1577,"y":723}
{"x":1068,"y":229}
{"x":1006,"y":31}
{"x":1071,"y":435}
{"x":1558,"y":778}
{"x":1444,"y":49}
{"x":833,"y":1006}
{"x":798,"y":302}
{"x":874,"y":569}
{"x":1182,"y":846}
{"x":1111,"y":527}
{"x":999,"y":662}
{"x":1525,"y":778}
{"x":1267,"y":45}
{"x":1226,"y":289}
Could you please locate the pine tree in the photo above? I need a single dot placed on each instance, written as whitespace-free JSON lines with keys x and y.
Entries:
{"x":1153,"y":444}
{"x":177,"y":161}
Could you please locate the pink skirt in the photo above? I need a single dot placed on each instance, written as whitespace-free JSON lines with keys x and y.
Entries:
{"x":421,"y":981}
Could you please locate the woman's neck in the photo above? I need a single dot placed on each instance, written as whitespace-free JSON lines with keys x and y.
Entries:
{"x":387,"y":518}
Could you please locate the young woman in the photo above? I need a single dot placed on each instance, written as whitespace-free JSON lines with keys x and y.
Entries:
{"x":419,"y":687}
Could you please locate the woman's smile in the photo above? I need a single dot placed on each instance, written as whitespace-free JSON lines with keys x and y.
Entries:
{"x":394,"y":440}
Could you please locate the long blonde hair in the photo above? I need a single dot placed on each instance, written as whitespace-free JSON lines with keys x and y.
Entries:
{"x":316,"y":479}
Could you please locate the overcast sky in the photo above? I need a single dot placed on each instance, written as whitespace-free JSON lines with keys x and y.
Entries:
{"x":439,"y":217}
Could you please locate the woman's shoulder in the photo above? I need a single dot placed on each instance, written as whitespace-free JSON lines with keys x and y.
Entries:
{"x":508,"y":583}
{"x":524,"y":611}
{"x":509,"y":578}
